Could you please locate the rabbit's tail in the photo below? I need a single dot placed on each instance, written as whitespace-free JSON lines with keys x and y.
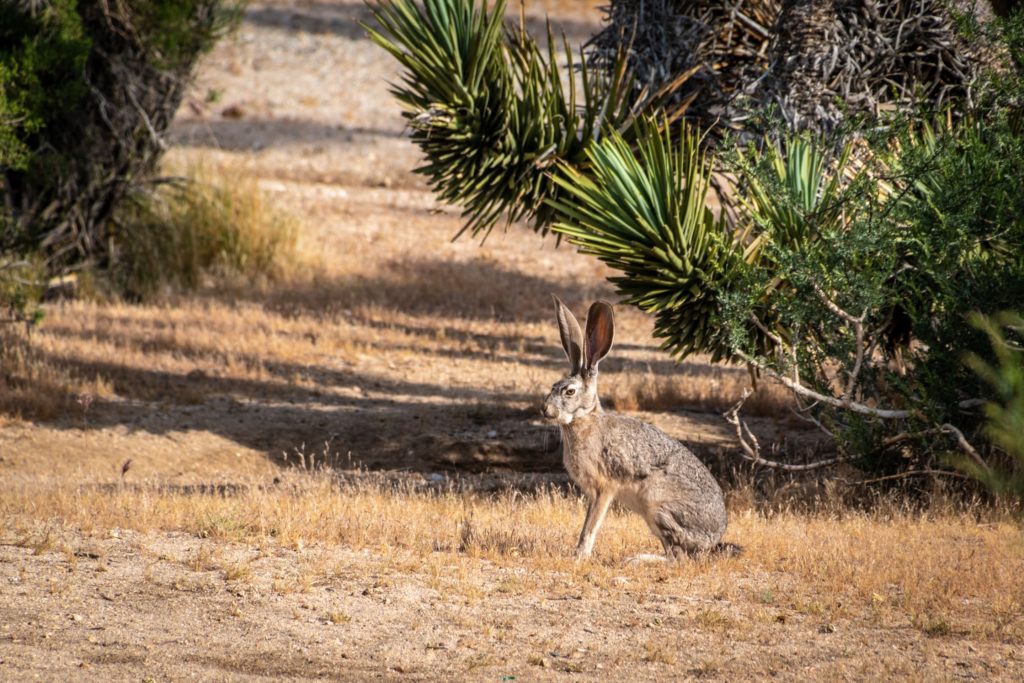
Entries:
{"x":729,"y":549}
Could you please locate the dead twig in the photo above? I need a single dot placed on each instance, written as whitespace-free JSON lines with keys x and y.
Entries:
{"x":966,"y":447}
{"x":751,"y":449}
{"x":800,"y":389}
{"x":907,"y":475}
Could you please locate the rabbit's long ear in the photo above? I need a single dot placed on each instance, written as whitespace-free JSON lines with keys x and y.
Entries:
{"x":572,"y":336}
{"x":600,"y":330}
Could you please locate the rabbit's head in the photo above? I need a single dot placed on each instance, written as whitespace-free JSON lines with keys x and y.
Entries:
{"x":575,"y":395}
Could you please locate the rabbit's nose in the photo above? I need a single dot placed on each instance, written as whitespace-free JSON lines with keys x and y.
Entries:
{"x":549,"y":410}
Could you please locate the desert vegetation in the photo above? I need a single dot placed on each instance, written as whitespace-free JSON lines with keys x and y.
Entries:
{"x":280,"y":424}
{"x":847,"y":250}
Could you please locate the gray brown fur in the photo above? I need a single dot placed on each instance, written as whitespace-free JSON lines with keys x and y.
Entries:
{"x":618,"y":458}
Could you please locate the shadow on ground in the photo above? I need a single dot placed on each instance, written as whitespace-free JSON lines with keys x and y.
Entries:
{"x":372,"y":422}
{"x":474,"y":289}
{"x":361,"y":418}
{"x":255,"y":133}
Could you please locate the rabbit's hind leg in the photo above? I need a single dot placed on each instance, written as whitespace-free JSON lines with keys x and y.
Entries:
{"x":681,"y":541}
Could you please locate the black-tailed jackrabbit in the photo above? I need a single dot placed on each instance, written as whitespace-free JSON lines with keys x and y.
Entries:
{"x":613,"y":457}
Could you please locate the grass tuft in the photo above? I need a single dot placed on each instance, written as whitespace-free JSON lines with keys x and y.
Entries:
{"x":211,"y":224}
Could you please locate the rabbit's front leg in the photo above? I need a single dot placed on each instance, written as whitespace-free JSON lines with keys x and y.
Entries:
{"x":596,"y":511}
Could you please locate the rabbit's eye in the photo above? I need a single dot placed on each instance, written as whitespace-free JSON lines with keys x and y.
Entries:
{"x":569,"y":391}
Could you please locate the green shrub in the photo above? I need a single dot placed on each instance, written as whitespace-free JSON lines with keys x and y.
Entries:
{"x":88,"y":87}
{"x":852,"y":264}
{"x":43,"y":56}
{"x":869,"y":309}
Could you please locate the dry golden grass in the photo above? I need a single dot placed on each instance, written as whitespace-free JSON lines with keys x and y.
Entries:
{"x":351,"y":314}
{"x":33,"y":386}
{"x":213,"y":225}
{"x":946,"y":573}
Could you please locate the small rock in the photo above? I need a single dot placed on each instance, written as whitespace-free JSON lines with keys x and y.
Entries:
{"x":235,"y":111}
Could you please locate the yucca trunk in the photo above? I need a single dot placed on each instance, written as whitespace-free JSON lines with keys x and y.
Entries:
{"x":812,"y":62}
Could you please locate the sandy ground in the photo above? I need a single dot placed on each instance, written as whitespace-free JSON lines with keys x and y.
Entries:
{"x":390,"y":371}
{"x":139,"y":608}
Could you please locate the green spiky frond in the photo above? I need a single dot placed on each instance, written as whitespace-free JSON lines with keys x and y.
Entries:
{"x":643,"y":211}
{"x":488,"y":107}
{"x":806,"y":196}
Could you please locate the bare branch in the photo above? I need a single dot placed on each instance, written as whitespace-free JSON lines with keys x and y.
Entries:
{"x":768,"y":333}
{"x":858,"y":330}
{"x":966,"y":447}
{"x":144,"y":116}
{"x":897,"y":439}
{"x":732,"y":417}
{"x":795,"y":360}
{"x":14,"y":264}
{"x":911,"y":473}
{"x":805,"y":415}
{"x":801,"y":390}
{"x":857,"y":322}
{"x":969,"y":403}
{"x":832,"y":306}
{"x":752,"y":449}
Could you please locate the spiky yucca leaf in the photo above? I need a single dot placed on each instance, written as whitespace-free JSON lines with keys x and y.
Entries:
{"x":488,"y":108}
{"x":644,"y":213}
{"x":807,"y":196}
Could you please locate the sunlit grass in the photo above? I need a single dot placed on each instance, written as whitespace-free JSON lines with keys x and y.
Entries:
{"x":942,"y":573}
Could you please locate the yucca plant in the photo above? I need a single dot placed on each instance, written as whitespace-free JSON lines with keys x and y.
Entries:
{"x":644,"y":212}
{"x":488,"y":107}
{"x":806,"y":195}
